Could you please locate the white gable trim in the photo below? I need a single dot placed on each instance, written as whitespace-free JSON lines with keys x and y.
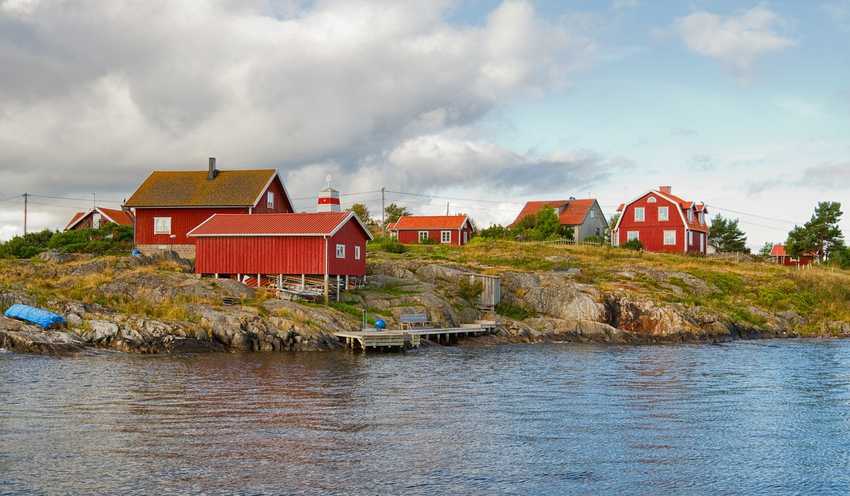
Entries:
{"x":74,"y":223}
{"x":266,"y":188}
{"x":335,"y":230}
{"x":110,"y":219}
{"x":674,"y":202}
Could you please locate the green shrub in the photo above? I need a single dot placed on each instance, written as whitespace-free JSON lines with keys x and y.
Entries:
{"x":634,"y":244}
{"x":513,"y":312}
{"x":470,"y":291}
{"x":388,"y":244}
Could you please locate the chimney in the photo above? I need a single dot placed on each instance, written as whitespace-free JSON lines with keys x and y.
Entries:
{"x":213,"y":171}
{"x":666,"y":189}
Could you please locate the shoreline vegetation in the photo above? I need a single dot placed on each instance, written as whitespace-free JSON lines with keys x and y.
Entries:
{"x":550,"y":292}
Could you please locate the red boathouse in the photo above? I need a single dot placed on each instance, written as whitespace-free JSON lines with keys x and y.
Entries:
{"x":271,"y":246}
{"x":455,"y":230}
{"x":663,"y":222}
{"x":169,"y":204}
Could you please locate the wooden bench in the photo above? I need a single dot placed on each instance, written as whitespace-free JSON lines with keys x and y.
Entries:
{"x":413,"y":320}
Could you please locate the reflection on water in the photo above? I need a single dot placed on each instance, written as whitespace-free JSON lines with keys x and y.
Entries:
{"x":766,"y":417}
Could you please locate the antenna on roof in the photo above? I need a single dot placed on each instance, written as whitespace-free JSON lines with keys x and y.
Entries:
{"x":328,"y":179}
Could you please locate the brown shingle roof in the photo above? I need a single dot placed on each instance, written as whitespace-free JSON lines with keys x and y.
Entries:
{"x":233,"y":188}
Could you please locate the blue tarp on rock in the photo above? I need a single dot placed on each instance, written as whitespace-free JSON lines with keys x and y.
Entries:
{"x":37,"y":316}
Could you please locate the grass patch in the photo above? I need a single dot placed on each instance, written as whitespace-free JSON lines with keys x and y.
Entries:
{"x":513,"y":312}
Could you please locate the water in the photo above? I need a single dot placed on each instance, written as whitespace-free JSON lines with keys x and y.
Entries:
{"x":766,"y":417}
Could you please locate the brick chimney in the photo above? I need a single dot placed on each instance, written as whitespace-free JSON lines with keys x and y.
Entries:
{"x":666,"y":189}
{"x":212,"y":171}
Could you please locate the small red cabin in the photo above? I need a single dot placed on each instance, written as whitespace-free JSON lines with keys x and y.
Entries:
{"x":292,"y":244}
{"x":97,"y":217}
{"x":663,"y":222}
{"x":169,"y":204}
{"x":782,"y":258}
{"x":455,"y":230}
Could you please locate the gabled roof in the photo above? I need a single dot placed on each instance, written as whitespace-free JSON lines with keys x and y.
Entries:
{"x":684,"y":205}
{"x":230,"y":188}
{"x":119,"y":217}
{"x":428,"y":222}
{"x":292,"y":224}
{"x":573,"y":212}
{"x":75,"y":219}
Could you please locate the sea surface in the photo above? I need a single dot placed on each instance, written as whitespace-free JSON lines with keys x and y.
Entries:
{"x":750,"y":417}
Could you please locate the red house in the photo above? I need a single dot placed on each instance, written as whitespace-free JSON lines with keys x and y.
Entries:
{"x":455,"y":230}
{"x":782,"y":258}
{"x":169,"y":204}
{"x":663,"y":222}
{"x":97,"y":217}
{"x":327,"y":244}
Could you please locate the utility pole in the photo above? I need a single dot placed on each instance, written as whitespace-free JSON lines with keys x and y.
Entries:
{"x":26,"y":201}
{"x":93,"y":201}
{"x":383,"y":213}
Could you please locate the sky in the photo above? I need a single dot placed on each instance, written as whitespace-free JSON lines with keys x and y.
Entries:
{"x":469,"y":106}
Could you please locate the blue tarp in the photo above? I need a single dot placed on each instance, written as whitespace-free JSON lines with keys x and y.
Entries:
{"x":36,"y":316}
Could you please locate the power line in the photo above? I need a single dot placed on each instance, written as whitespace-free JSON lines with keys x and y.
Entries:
{"x":87,"y":200}
{"x":786,"y":221}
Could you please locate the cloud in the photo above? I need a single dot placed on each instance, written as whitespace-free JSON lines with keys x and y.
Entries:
{"x":736,"y":41}
{"x":94,"y":100}
{"x":625,"y":4}
{"x":830,"y":176}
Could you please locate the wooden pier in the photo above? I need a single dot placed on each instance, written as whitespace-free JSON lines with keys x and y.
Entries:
{"x":401,"y":339}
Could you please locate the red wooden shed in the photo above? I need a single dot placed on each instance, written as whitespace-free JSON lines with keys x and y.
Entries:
{"x":454,"y":230}
{"x":281,"y":245}
{"x":781,"y":257}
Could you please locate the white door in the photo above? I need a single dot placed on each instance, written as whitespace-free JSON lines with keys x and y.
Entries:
{"x":702,"y":242}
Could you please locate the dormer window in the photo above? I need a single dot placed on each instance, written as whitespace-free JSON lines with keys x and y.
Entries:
{"x":690,"y":215}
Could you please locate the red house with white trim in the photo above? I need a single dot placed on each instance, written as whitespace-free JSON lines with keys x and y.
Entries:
{"x":268,"y":246}
{"x":97,"y":217}
{"x":169,"y":204}
{"x":454,"y":230}
{"x":781,"y":257}
{"x":663,"y":222}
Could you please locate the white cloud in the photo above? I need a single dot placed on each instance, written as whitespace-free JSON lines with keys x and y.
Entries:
{"x":94,"y":100}
{"x":736,"y":41}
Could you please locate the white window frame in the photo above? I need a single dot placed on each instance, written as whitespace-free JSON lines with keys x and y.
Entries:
{"x":270,"y":199}
{"x":340,"y":251}
{"x":445,"y":237}
{"x":423,"y":235}
{"x":96,"y":220}
{"x":642,"y":214}
{"x":690,"y":238}
{"x":666,"y":216}
{"x":356,"y":252}
{"x":651,"y":199}
{"x":592,"y":213}
{"x":632,"y":235}
{"x":668,"y":242}
{"x":465,"y":237}
{"x":157,"y":221}
{"x":690,"y":215}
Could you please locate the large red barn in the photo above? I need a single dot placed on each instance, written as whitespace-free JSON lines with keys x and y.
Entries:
{"x":325,"y":244}
{"x":453,"y":230}
{"x":663,"y":222}
{"x":169,"y":204}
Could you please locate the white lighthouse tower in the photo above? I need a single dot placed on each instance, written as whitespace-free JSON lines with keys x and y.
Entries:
{"x":328,"y":199}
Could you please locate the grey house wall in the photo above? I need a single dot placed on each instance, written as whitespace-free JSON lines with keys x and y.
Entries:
{"x":594,"y":224}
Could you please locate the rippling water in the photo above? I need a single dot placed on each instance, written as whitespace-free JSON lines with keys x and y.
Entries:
{"x":767,"y":417}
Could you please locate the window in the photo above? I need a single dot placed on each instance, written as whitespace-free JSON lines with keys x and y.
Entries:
{"x":651,"y":199}
{"x":592,"y":212}
{"x":270,"y":199}
{"x":663,"y":214}
{"x":423,"y":235}
{"x":95,"y":220}
{"x":357,"y":252}
{"x":465,"y":237}
{"x":639,"y":214}
{"x":340,"y":251}
{"x":690,"y":215}
{"x":669,"y":238}
{"x":690,"y":238}
{"x":702,"y":218}
{"x":162,"y":225}
{"x":445,"y":237}
{"x":632,"y":235}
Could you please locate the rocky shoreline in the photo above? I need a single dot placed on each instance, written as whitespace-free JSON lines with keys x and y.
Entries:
{"x":556,"y":306}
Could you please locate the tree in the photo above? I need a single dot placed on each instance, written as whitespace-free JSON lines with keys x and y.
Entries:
{"x":608,"y":235}
{"x":547,"y":223}
{"x":766,"y":249}
{"x":820,"y":235}
{"x":726,"y":236}
{"x":361,"y":211}
{"x":495,"y":231}
{"x":394,"y":212}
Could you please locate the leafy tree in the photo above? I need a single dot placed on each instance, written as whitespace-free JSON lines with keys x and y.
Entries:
{"x":495,"y":231}
{"x":820,"y":234}
{"x":841,"y":257}
{"x":547,"y":224}
{"x":361,"y":211}
{"x":612,"y":222}
{"x":726,"y":236}
{"x":393,"y":212}
{"x":766,"y":249}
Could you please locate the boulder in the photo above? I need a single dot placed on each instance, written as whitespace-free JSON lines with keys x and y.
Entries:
{"x":25,"y":338}
{"x":101,"y":330}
